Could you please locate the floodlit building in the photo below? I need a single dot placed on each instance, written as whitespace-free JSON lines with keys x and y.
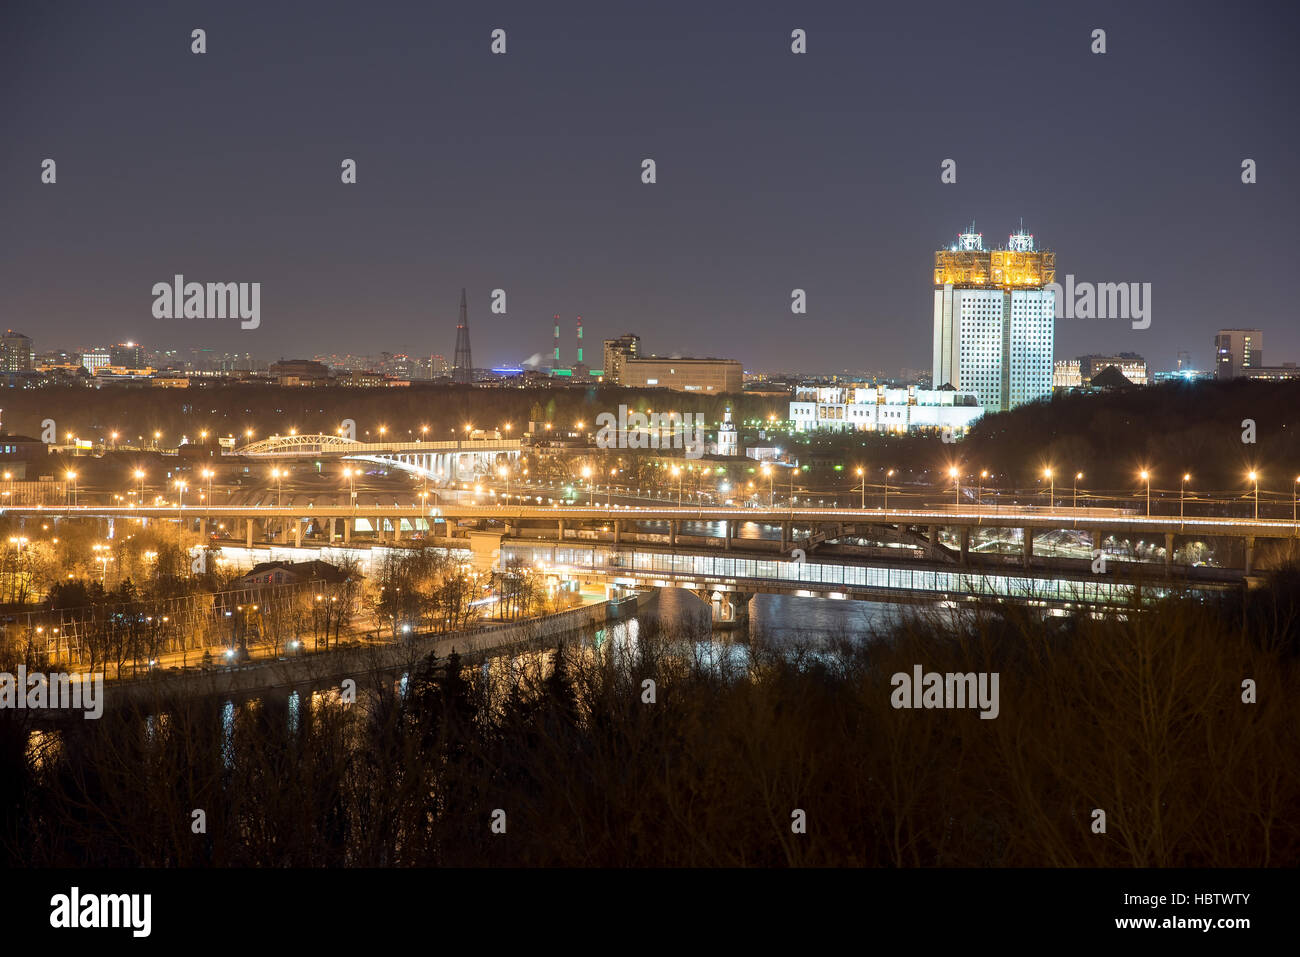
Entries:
{"x":728,"y":439}
{"x":1066,"y":374}
{"x":94,"y":359}
{"x":1074,"y":373}
{"x":994,"y":320}
{"x":871,"y":408}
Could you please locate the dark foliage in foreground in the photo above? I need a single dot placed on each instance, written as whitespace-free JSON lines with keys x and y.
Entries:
{"x":1141,"y":718}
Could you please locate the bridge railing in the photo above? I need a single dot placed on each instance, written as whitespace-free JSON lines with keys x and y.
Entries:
{"x":1033,"y":510}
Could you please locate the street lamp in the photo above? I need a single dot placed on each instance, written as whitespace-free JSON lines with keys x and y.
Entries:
{"x":1294,"y":488}
{"x":350,"y":473}
{"x":1254,"y":477}
{"x":1182,"y":490}
{"x":677,"y":472}
{"x":609,"y":489}
{"x":1075,"y":501}
{"x":180,"y":490}
{"x":771,"y":482}
{"x":862,"y":475}
{"x":139,"y":477}
{"x":207,"y":474}
{"x":103,"y":561}
{"x":278,"y":474}
{"x":505,"y":474}
{"x":72,"y":477}
{"x":586,"y":475}
{"x":1146,"y":477}
{"x":1051,"y":478}
{"x":887,"y":475}
{"x":956,"y":479}
{"x":979,"y":490}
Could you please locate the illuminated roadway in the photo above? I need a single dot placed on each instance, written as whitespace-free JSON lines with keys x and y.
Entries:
{"x":981,"y":517}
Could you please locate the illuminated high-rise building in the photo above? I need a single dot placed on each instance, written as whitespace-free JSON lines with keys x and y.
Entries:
{"x":994,"y":320}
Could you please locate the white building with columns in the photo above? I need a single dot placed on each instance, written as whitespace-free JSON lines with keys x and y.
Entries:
{"x":871,"y":408}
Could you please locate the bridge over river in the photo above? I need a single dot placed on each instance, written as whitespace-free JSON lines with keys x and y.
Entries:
{"x":804,"y":528}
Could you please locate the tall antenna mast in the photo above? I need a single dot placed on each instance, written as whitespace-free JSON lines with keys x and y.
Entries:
{"x":463,"y":367}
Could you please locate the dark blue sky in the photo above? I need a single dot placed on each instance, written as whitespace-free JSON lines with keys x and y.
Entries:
{"x":523,"y":171}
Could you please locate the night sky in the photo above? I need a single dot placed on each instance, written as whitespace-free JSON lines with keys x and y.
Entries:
{"x":522,"y":171}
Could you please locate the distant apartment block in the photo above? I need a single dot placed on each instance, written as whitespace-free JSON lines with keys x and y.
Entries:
{"x":617,"y":351}
{"x":15,"y":352}
{"x":299,"y":372}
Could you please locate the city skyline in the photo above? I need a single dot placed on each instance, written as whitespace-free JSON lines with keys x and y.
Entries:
{"x":853,"y":438}
{"x":527,"y":178}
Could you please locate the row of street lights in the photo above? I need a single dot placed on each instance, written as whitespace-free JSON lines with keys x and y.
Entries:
{"x":1050,"y":475}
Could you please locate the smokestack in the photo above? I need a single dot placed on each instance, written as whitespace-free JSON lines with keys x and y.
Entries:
{"x":555,"y":364}
{"x":580,"y":340}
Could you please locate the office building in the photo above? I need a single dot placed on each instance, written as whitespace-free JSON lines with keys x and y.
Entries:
{"x":1236,"y":350}
{"x":128,"y":355}
{"x":994,"y":320}
{"x":711,"y":376}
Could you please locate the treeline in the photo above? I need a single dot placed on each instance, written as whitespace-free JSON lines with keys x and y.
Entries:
{"x":1179,"y":726}
{"x":39,"y":558}
{"x":427,"y":590}
{"x":121,"y":629}
{"x":1172,"y":429}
